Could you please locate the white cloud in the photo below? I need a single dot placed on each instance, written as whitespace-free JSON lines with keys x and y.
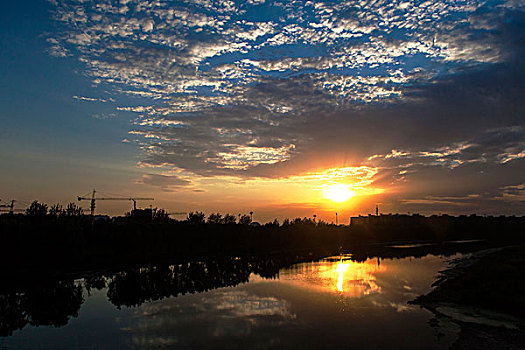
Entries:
{"x":205,"y":66}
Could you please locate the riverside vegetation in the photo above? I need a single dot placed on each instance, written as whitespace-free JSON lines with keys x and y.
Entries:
{"x":60,"y":237}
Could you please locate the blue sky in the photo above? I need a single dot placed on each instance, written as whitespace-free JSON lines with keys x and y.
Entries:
{"x":178,"y":99}
{"x":51,"y":142}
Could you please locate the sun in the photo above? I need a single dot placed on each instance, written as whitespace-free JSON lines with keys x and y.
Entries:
{"x":338,"y":193}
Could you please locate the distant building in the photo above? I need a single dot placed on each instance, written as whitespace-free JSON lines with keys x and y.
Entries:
{"x":143,"y":215}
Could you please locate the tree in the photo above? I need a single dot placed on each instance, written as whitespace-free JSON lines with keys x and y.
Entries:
{"x":197,"y":217}
{"x":215,"y":218}
{"x":56,"y":210}
{"x":161,"y":215}
{"x":274,"y":223}
{"x":37,"y":209}
{"x":229,"y":219}
{"x":74,"y":210}
{"x":245,"y":220}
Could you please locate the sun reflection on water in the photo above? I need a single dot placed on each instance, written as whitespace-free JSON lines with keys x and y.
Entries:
{"x":354,"y":279}
{"x":336,"y":275}
{"x":341,"y":268}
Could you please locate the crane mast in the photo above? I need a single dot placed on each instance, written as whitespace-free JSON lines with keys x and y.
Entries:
{"x":10,"y":206}
{"x":93,"y":200}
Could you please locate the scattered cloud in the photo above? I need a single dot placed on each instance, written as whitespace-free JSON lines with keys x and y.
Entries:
{"x":92,"y":99}
{"x":104,"y":116}
{"x":270,"y":89}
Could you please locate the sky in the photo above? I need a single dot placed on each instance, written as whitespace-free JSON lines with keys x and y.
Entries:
{"x":283,"y":108}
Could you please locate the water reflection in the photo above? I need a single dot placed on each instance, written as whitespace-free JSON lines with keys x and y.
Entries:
{"x":338,"y":275}
{"x":214,"y":299}
{"x":53,"y":302}
{"x":209,"y":320}
{"x":304,"y":308}
{"x":341,"y":269}
{"x":48,"y":303}
{"x":357,"y":278}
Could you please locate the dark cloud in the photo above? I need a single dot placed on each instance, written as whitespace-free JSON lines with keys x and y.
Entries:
{"x":166,"y":183}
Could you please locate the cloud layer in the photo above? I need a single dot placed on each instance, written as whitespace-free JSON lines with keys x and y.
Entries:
{"x":276,"y":88}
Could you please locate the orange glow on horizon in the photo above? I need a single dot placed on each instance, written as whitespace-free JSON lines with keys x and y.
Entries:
{"x":346,"y":190}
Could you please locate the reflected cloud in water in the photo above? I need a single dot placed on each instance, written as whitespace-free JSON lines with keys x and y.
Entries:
{"x":205,"y":321}
{"x":327,"y":303}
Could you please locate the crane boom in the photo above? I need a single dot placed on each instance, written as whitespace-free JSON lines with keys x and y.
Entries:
{"x":93,"y":199}
{"x":10,"y":206}
{"x":117,"y":199}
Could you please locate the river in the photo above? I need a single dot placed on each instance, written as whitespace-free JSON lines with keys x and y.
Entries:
{"x":333,"y":302}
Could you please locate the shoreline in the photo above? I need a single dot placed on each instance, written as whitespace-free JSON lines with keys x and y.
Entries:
{"x":485,"y":297}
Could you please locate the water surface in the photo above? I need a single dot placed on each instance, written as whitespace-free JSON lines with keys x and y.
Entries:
{"x":333,"y":302}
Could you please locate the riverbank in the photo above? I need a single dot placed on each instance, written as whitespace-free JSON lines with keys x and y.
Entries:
{"x":485,"y":295}
{"x":491,"y":280}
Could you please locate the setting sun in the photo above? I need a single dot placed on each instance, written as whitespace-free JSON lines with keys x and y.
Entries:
{"x":338,"y":193}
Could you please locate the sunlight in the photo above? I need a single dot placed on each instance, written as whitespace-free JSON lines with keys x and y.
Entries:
{"x":360,"y":277}
{"x":338,"y":193}
{"x":341,"y":268}
{"x":337,"y":275}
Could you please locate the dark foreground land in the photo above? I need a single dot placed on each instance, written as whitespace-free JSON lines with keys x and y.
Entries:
{"x":494,"y":281}
{"x":486,"y":295}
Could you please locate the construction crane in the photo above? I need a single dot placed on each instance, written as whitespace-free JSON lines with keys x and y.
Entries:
{"x":11,"y":207}
{"x":93,"y":200}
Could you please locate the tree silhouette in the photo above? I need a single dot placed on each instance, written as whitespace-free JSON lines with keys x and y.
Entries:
{"x":12,"y":313}
{"x":37,"y":209}
{"x":215,"y":218}
{"x":245,"y":220}
{"x":74,"y":210}
{"x":229,"y":219}
{"x":197,"y":217}
{"x":274,"y":223}
{"x":53,"y":303}
{"x":161,"y":215}
{"x":56,"y":210}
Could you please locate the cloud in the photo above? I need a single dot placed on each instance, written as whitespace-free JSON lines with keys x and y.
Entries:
{"x":269,"y":89}
{"x":514,"y":193}
{"x":222,"y":315}
{"x":166,"y":183}
{"x":92,"y":99}
{"x":103,"y":115}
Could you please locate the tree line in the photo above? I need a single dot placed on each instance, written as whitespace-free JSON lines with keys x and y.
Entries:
{"x":63,"y":236}
{"x":56,"y":211}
